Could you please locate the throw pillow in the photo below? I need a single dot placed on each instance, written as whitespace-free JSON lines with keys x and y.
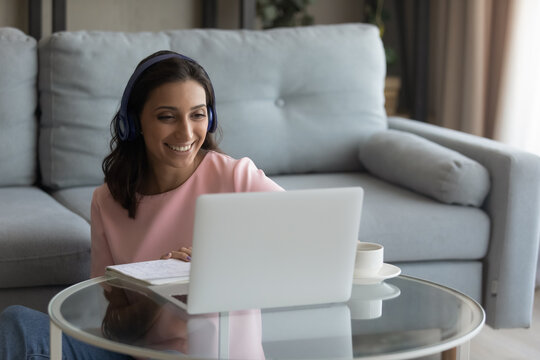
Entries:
{"x":426,"y":167}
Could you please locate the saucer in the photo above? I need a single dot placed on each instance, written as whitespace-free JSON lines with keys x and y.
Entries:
{"x":373,"y":292}
{"x":387,"y":271}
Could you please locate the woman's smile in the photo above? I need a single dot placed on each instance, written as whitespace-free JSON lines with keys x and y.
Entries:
{"x":180,"y":148}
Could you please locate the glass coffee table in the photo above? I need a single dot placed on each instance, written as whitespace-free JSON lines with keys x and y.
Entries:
{"x":400,"y":318}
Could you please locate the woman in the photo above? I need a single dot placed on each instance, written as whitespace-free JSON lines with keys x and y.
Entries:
{"x":163,"y":156}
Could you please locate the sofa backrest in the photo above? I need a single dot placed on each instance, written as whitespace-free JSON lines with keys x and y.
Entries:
{"x":18,"y":103}
{"x":294,"y":100}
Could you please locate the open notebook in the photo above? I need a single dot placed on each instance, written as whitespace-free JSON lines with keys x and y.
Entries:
{"x":154,"y":272}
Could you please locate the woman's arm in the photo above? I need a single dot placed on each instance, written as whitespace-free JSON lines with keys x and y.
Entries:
{"x":101,"y":256}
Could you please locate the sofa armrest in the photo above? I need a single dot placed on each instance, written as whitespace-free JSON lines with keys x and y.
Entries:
{"x":513,"y":206}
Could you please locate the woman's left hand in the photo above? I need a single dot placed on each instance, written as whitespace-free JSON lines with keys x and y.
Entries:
{"x":183,"y":254}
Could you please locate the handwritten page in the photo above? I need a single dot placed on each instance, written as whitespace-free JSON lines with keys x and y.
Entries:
{"x":154,"y":272}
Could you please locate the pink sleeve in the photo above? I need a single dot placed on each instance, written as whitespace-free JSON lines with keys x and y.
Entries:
{"x":100,"y":252}
{"x":248,"y":178}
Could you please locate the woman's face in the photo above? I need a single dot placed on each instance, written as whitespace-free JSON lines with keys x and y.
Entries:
{"x":174,"y":122}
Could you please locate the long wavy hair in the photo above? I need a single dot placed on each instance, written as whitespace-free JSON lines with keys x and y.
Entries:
{"x":126,"y":166}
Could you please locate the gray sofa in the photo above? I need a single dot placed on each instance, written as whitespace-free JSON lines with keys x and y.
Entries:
{"x":307,"y":105}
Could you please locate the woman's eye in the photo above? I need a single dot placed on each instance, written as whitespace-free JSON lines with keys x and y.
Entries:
{"x":165,"y":117}
{"x":199,"y":116}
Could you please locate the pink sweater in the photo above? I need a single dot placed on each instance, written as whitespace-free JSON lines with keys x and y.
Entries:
{"x":164,"y":222}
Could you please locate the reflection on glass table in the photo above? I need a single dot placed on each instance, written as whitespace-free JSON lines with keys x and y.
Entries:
{"x":399,"y":318}
{"x":367,"y":301}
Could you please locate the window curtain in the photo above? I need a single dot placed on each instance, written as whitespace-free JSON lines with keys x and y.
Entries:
{"x":468,"y":52}
{"x":484,"y":70}
{"x":519,"y":108}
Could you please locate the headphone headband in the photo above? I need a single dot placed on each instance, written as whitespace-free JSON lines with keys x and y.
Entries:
{"x":126,"y":126}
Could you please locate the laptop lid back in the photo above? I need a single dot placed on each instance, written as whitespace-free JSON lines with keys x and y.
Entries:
{"x":273,"y":249}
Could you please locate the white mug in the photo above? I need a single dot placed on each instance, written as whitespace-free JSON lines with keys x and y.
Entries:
{"x":369,"y":259}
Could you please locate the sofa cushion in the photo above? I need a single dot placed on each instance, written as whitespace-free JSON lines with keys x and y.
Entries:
{"x":18,"y":102}
{"x":41,"y":242}
{"x":452,"y":232}
{"x":412,"y":227}
{"x":77,"y":199}
{"x":426,"y":167}
{"x":294,"y":100}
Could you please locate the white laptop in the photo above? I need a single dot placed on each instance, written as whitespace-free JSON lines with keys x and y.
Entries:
{"x":271,"y":249}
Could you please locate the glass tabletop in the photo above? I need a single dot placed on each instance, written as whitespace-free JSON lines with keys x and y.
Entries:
{"x":400,"y":318}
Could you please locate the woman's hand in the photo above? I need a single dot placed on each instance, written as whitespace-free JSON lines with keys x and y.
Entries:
{"x":183,"y":254}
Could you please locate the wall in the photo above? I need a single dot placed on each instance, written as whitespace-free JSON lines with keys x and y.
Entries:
{"x":112,"y":15}
{"x":154,"y":15}
{"x":133,"y":15}
{"x":337,"y":11}
{"x":14,"y":13}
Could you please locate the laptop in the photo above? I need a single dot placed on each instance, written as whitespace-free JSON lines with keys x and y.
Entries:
{"x":270,"y":249}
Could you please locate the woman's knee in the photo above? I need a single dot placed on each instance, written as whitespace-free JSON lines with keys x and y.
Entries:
{"x":19,"y":315}
{"x":23,"y":331}
{"x":22,"y":321}
{"x":12,"y":315}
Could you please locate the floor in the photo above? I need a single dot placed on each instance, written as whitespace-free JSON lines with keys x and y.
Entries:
{"x":506,"y":344}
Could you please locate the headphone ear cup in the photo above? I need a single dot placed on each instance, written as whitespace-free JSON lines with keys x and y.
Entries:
{"x":131,"y":127}
{"x":122,"y":126}
{"x":211,"y":119}
{"x":134,"y":127}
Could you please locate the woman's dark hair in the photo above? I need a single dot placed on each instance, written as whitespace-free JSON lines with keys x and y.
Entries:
{"x":129,"y":315}
{"x":126,"y":165}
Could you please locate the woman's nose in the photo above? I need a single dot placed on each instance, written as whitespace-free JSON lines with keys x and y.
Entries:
{"x":184,"y":129}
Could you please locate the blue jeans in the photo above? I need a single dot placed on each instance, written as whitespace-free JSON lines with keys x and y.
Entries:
{"x":24,"y":335}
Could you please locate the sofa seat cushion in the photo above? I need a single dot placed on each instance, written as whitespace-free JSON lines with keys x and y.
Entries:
{"x":77,"y":199}
{"x":411,"y":226}
{"x":41,"y":242}
{"x":428,"y":230}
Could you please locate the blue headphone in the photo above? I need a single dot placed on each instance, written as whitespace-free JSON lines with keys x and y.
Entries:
{"x":125,"y":124}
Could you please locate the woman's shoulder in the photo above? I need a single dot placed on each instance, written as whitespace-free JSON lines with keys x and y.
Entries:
{"x":102,"y":194}
{"x":240,"y":175}
{"x":225,"y":161}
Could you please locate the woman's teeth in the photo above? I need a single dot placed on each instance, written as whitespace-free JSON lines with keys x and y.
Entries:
{"x":179,"y":148}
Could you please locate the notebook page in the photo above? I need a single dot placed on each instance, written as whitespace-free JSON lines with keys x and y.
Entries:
{"x":154,"y":272}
